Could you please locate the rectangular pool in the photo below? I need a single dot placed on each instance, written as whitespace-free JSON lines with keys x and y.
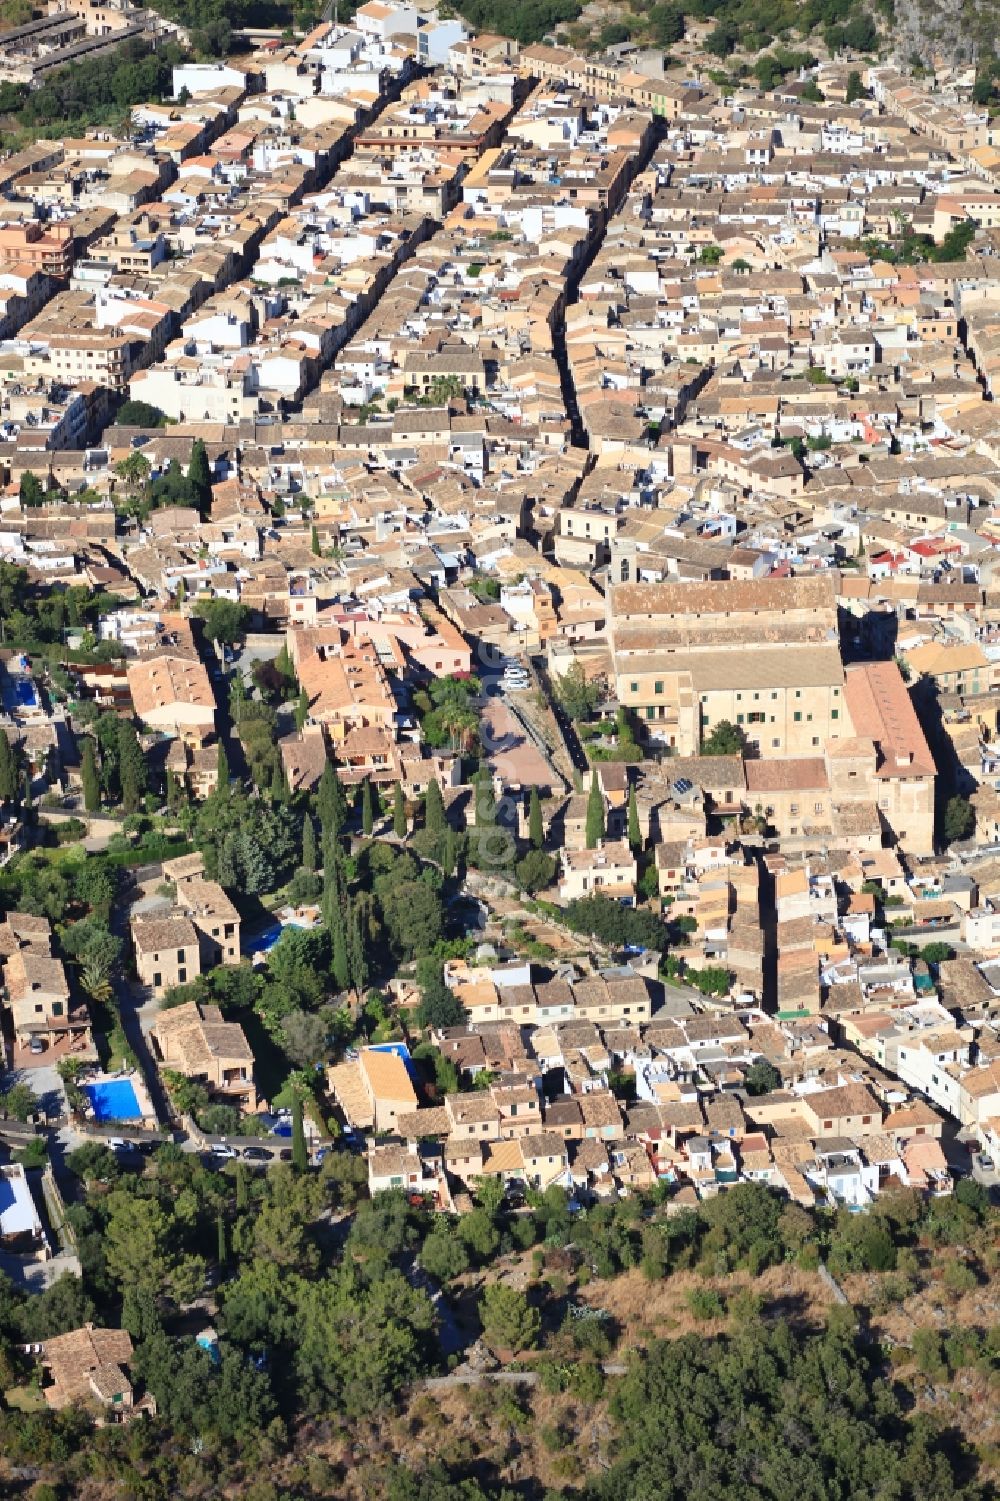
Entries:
{"x":114,"y":1100}
{"x":19,"y":693}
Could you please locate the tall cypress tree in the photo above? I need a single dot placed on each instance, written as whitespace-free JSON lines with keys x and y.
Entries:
{"x":434,"y":808}
{"x":222,"y":777}
{"x":302,"y":709}
{"x":486,"y":803}
{"x":237,"y":697}
{"x":91,"y":780}
{"x":300,"y":1153}
{"x":330,"y":803}
{"x":10,"y":781}
{"x":200,"y":476}
{"x":314,"y":542}
{"x":356,"y":961}
{"x":595,"y":814}
{"x":131,"y":766}
{"x":536,"y":829}
{"x":634,"y":832}
{"x":222,"y":1252}
{"x":340,"y":962}
{"x":308,"y":844}
{"x":398,"y":812}
{"x":331,"y":888}
{"x":367,"y":812}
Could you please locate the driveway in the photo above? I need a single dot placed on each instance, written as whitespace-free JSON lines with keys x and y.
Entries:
{"x":45,"y":1082}
{"x":36,"y":1276}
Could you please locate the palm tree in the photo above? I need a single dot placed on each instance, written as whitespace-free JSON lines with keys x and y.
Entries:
{"x":95,"y":979}
{"x":134,"y":470}
{"x":462,"y":726}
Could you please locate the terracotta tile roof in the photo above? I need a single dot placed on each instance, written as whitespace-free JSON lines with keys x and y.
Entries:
{"x":880,"y":710}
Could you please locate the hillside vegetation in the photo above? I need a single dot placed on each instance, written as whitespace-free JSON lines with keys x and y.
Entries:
{"x":693,"y":1354}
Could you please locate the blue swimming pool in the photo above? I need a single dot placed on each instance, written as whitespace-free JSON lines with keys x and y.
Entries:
{"x":19,"y":693}
{"x":261,"y":943}
{"x":114,"y":1100}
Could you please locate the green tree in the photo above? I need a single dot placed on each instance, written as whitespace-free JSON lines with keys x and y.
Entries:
{"x":536,"y":829}
{"x":855,"y":87}
{"x":314,"y":543}
{"x":19,"y":1102}
{"x":367,"y":812}
{"x":443,"y":1256}
{"x":666,"y":24}
{"x":93,"y":1162}
{"x":64,"y":1305}
{"x":535,"y":870}
{"x":434,"y":817}
{"x":509,"y":1321}
{"x":726,"y":739}
{"x":199,"y":476}
{"x":300,"y":1153}
{"x":302,"y":709}
{"x":139,"y":414}
{"x":136,"y":1240}
{"x":97,"y":951}
{"x":478,"y":1232}
{"x":413,"y":917}
{"x":340,"y":963}
{"x":91,"y":779}
{"x":578,"y":694}
{"x":10,"y":775}
{"x":330,"y":803}
{"x":131,"y":766}
{"x":222,"y":771}
{"x":634,"y":832}
{"x":308,"y":843}
{"x":134,"y":471}
{"x":304,"y":1038}
{"x":762,"y":1077}
{"x":595,"y":813}
{"x":30,"y":491}
{"x":959,"y":819}
{"x":224,"y":620}
{"x":439,"y":1007}
{"x":398,"y":812}
{"x":357,"y":962}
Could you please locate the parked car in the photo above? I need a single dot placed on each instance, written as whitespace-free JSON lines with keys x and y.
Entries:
{"x":36,"y":1045}
{"x":285,"y":1155}
{"x":222,"y":1149}
{"x":256,"y":1154}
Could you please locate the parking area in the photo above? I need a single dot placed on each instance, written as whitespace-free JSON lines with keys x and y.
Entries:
{"x":42,"y":1079}
{"x":985,"y":1171}
{"x":29,"y":1061}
